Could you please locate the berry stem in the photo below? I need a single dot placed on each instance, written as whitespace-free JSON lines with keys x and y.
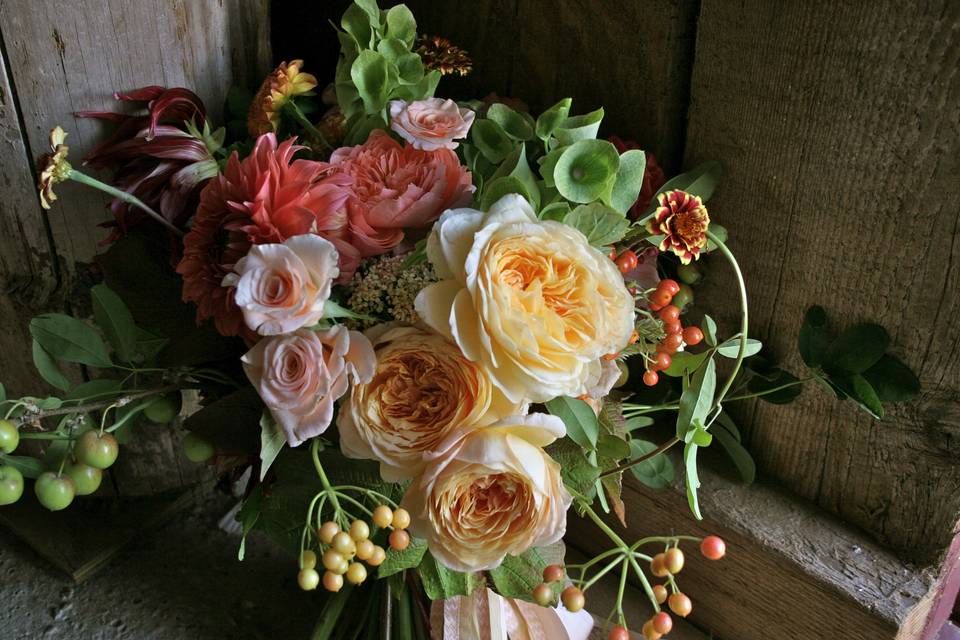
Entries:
{"x":315,"y":454}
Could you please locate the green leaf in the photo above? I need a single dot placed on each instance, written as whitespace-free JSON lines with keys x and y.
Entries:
{"x":578,"y":472}
{"x":579,"y":418}
{"x":696,"y":400}
{"x":27,"y":466}
{"x":373,"y":78}
{"x":555,"y":211}
{"x":858,"y":348}
{"x":656,"y":472}
{"x":586,"y":170}
{"x":577,"y":128}
{"x":248,"y":516}
{"x":332,"y":309}
{"x":699,"y":181}
{"x":115,"y":320}
{"x":512,"y":122}
{"x":401,"y":24}
{"x":638,"y":422}
{"x":517,"y":576}
{"x":731,"y":348}
{"x":356,"y":22}
{"x":726,"y":432}
{"x":48,"y":369}
{"x":610,"y":446}
{"x":814,"y":338}
{"x":860,"y":390}
{"x":99,"y":389}
{"x":232,"y":423}
{"x":440,"y":582}
{"x":599,"y":223}
{"x":685,"y":363}
{"x":550,"y":119}
{"x":692,"y":478}
{"x":492,"y":141}
{"x":71,"y":340}
{"x":709,"y":331}
{"x":548,"y":164}
{"x":328,"y":622}
{"x":3,"y":393}
{"x":148,"y":344}
{"x":272,"y":440}
{"x":892,"y":380}
{"x":626,"y":188}
{"x":398,"y":561}
{"x":500,"y":187}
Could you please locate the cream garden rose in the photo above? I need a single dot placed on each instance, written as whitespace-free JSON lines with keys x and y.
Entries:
{"x":489,"y":493}
{"x":430,"y":124}
{"x":283,"y":287}
{"x":531,"y":300}
{"x":301,"y":374}
{"x":422,"y":390}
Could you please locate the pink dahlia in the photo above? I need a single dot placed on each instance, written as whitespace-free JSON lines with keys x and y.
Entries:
{"x":682,"y":220}
{"x":265,"y":198}
{"x":163,"y":156}
{"x":653,"y":177}
{"x":396,"y":187}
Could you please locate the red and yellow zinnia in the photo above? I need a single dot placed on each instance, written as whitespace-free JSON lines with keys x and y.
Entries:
{"x":682,"y":220}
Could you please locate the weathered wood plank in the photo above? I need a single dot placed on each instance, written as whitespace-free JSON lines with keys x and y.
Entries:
{"x":67,"y":57}
{"x":791,"y":571}
{"x":839,"y":128}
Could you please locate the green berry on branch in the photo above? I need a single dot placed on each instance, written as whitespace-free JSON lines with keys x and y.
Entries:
{"x":573,"y":599}
{"x":9,"y":436}
{"x":689,"y":273}
{"x":359,"y":530}
{"x":196,"y":448}
{"x":161,"y":411}
{"x":308,"y":579}
{"x":684,"y":297}
{"x":356,"y":573}
{"x":11,"y":485}
{"x":553,"y":573}
{"x":332,"y":560}
{"x":96,"y":449}
{"x":54,"y":491}
{"x":673,"y":562}
{"x":543,"y":595}
{"x":86,"y":479}
{"x":344,"y":544}
{"x":308,"y":559}
{"x":327,"y":531}
{"x":401,"y":519}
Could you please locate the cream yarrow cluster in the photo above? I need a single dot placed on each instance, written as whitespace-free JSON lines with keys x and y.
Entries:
{"x":387,"y":288}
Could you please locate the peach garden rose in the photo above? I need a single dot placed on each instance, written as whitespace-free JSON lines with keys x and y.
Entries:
{"x":531,"y":300}
{"x":300,"y":375}
{"x":490,"y":493}
{"x":423,"y":390}
{"x":283,"y":287}
{"x":431,"y":123}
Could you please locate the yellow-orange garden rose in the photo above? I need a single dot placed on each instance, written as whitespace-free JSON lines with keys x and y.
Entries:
{"x":489,"y":493}
{"x":531,"y":300}
{"x":422,"y":390}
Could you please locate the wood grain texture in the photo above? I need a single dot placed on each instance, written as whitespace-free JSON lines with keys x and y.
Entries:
{"x":838,"y":125}
{"x":633,"y":59}
{"x":791,"y":571}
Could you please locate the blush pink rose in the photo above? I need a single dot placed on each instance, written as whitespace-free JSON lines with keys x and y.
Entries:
{"x":300,"y":375}
{"x":283,"y":287}
{"x":430,"y":124}
{"x":397,"y":187}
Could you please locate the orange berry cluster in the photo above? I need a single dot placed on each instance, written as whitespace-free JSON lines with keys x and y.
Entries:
{"x":346,"y":551}
{"x":676,"y":334}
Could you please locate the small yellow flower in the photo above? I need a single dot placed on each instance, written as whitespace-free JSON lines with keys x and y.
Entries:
{"x":53,"y":167}
{"x":441,"y":54}
{"x":285,"y":83}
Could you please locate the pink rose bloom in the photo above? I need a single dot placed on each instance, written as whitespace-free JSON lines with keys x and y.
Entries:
{"x":430,"y":124}
{"x":300,"y":375}
{"x":397,"y":187}
{"x":283,"y":287}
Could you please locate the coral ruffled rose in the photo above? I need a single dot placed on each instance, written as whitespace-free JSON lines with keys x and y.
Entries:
{"x":283,"y":287}
{"x":265,"y":198}
{"x":490,"y":493}
{"x":531,"y":300}
{"x":397,"y":187}
{"x":423,"y":390}
{"x":300,"y":375}
{"x":430,"y":124}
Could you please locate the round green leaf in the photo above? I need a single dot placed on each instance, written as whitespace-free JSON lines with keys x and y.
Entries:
{"x":373,"y":77}
{"x":892,"y":380}
{"x":513,"y":123}
{"x":858,"y":348}
{"x":550,"y":119}
{"x":491,"y":139}
{"x":586,"y":170}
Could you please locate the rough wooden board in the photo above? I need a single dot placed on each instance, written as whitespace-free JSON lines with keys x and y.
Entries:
{"x":791,"y":571}
{"x":633,"y":60}
{"x":68,"y":57}
{"x":839,"y":131}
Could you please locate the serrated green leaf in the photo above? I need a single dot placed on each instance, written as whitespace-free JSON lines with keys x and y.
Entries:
{"x":48,"y":369}
{"x":398,"y":561}
{"x":586,"y":170}
{"x":656,"y":472}
{"x":115,"y":320}
{"x":892,"y":380}
{"x":599,"y":223}
{"x":440,"y":582}
{"x":517,"y":576}
{"x":70,"y":340}
{"x":577,"y":471}
{"x":578,"y":417}
{"x":858,"y":348}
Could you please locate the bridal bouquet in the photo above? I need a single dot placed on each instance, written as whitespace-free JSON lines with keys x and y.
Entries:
{"x":420,"y":334}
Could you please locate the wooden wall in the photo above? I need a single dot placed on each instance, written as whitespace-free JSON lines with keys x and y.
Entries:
{"x":62,"y":57}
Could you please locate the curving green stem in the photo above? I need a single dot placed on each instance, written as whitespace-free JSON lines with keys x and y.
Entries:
{"x":304,"y":122}
{"x":129,"y":198}
{"x":741,"y":352}
{"x":315,"y":454}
